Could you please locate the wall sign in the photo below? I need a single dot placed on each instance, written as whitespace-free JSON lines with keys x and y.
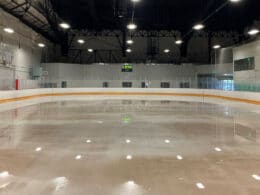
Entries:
{"x":127,"y":68}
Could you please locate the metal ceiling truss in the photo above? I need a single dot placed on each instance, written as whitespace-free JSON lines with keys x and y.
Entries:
{"x":38,"y":15}
{"x":118,"y":33}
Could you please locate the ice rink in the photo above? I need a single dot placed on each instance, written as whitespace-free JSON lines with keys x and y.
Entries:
{"x":129,"y":147}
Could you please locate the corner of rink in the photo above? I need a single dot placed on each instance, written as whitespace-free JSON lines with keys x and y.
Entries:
{"x":21,"y":98}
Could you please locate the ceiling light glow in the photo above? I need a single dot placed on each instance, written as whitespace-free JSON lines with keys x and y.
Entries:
{"x":64,"y":25}
{"x":253,"y":32}
{"x":178,"y":42}
{"x":234,"y":1}
{"x":130,"y":42}
{"x":216,"y":46}
{"x":41,"y":45}
{"x":131,"y":26}
{"x":166,"y":51}
{"x":198,"y":27}
{"x":81,"y":41}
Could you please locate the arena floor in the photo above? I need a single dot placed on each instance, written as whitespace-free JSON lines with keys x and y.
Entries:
{"x":129,"y":147}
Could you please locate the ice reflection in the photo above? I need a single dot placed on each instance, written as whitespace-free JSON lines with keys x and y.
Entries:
{"x":60,"y":183}
{"x":129,"y":188}
{"x":5,"y":179}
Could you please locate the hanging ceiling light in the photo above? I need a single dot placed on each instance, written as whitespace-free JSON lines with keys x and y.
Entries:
{"x":129,"y":41}
{"x":216,"y":46}
{"x":178,"y":42}
{"x":64,"y":25}
{"x":81,"y":41}
{"x":131,"y":26}
{"x":129,"y":50}
{"x":234,"y":1}
{"x":253,"y":31}
{"x":166,"y":51}
{"x":41,"y":45}
{"x":198,"y":27}
{"x":90,"y":50}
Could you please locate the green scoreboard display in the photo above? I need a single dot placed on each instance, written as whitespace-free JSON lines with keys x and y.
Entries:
{"x":127,"y":68}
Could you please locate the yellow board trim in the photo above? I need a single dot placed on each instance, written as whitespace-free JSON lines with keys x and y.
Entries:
{"x":255,"y":102}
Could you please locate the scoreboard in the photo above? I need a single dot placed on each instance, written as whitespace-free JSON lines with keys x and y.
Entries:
{"x":127,"y":68}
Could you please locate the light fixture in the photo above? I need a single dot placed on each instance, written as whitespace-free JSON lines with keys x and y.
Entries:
{"x":234,"y":1}
{"x":253,"y":31}
{"x":41,"y":45}
{"x":198,"y":27}
{"x":64,"y":25}
{"x":216,"y":46}
{"x":129,"y":50}
{"x":81,"y":41}
{"x":130,"y":42}
{"x":88,"y":141}
{"x":128,"y":141}
{"x":9,"y":30}
{"x":178,"y":42}
{"x":167,"y":141}
{"x":131,"y":26}
{"x":135,"y":1}
{"x":90,"y":50}
{"x":166,"y":51}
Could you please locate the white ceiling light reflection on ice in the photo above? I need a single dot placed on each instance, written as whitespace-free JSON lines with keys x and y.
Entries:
{"x":4,"y":185}
{"x":167,"y":141}
{"x":78,"y":157}
{"x":88,"y":141}
{"x":60,"y":183}
{"x":129,"y":157}
{"x":38,"y":149}
{"x":200,"y":185}
{"x":218,"y":149}
{"x":179,"y":157}
{"x":256,"y":177}
{"x":128,"y":141}
{"x":129,"y":188}
{"x":4,"y":179}
{"x":4,"y":174}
